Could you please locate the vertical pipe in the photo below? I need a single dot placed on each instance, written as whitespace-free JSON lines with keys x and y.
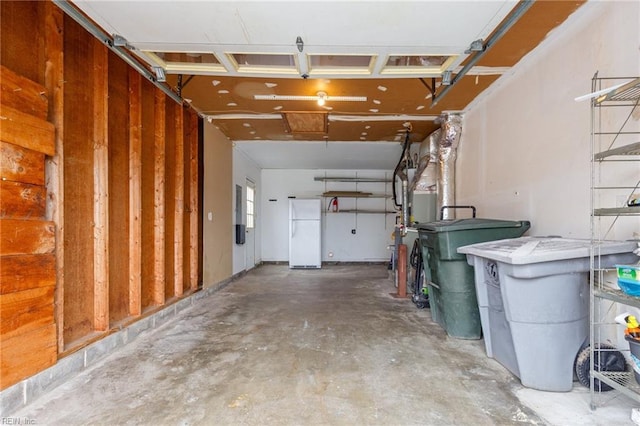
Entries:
{"x":451,"y":125}
{"x":402,"y":270}
{"x":406,"y":210}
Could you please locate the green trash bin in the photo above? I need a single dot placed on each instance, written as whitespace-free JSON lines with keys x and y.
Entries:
{"x":452,"y":293}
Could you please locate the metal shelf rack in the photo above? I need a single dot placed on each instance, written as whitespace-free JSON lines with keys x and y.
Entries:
{"x":615,"y":141}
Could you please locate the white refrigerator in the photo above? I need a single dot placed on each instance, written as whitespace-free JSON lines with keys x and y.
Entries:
{"x":304,"y":233}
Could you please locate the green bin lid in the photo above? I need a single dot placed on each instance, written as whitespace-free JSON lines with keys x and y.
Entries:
{"x":466,"y":224}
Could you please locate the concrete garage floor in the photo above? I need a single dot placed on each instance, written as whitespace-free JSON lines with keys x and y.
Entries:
{"x":308,"y":347}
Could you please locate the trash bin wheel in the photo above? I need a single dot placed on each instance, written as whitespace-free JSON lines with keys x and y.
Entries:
{"x":607,"y":358}
{"x":422,"y":305}
{"x":420,"y":301}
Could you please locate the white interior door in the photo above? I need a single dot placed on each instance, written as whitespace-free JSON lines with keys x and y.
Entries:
{"x":250,"y":240}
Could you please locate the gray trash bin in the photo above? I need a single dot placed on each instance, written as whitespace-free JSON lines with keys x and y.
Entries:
{"x":533,"y":298}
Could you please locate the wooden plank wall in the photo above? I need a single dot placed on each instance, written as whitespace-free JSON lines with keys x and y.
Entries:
{"x":114,"y":179}
{"x":169,"y":200}
{"x":119,"y":195}
{"x":78,"y":185}
{"x":135,"y":193}
{"x":27,"y":240}
{"x":149,"y":297}
{"x":191,"y":194}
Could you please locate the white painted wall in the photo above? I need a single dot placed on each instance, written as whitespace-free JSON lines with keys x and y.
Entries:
{"x":244,"y":168}
{"x":372,"y":231}
{"x":525,"y":147}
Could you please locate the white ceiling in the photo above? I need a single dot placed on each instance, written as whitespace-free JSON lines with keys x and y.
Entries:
{"x":379,"y":28}
{"x":368,"y":24}
{"x":322,"y":155}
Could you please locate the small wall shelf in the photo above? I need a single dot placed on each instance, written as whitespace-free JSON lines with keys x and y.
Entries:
{"x":363,"y":211}
{"x":354,"y":179}
{"x":353,"y":195}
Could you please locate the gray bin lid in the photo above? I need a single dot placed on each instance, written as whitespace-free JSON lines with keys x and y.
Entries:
{"x":468,"y":224}
{"x":524,"y":250}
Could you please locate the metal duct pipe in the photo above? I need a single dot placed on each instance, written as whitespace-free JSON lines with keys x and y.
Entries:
{"x":401,"y":171}
{"x":426,"y":173}
{"x":406,"y":206}
{"x":451,"y":127}
{"x":404,"y":200}
{"x":423,"y":186}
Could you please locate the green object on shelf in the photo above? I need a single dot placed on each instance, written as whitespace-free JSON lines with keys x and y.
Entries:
{"x":629,"y":279}
{"x":629,"y":272}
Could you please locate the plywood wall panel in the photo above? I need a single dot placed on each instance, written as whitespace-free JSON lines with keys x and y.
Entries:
{"x":148,"y":193}
{"x":19,"y":164}
{"x":186,"y":225}
{"x":54,"y":166}
{"x":192,"y":228}
{"x":20,"y":42}
{"x":135,"y":193}
{"x":159,"y":206}
{"x":26,"y":237}
{"x":21,"y":201}
{"x":27,"y":131}
{"x":22,"y":94}
{"x":170,"y":200}
{"x":26,"y":354}
{"x":178,"y":228}
{"x":200,"y":205}
{"x":78,"y":183}
{"x":28,"y":271}
{"x":118,"y":189}
{"x":100,"y":187}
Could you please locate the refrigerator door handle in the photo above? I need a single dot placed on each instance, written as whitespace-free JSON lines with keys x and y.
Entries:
{"x":293,"y":228}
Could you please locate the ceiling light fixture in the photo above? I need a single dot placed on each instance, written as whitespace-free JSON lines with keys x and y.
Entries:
{"x":316,"y":98}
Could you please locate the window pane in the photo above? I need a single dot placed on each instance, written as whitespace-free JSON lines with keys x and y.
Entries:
{"x":416,"y":61}
{"x":195,"y":58}
{"x":250,"y":206}
{"x":340,"y":60}
{"x":263,"y":59}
